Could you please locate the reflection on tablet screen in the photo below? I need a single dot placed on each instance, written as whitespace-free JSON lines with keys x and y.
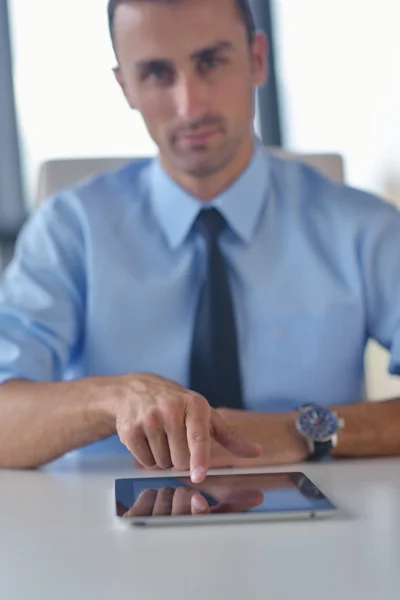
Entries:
{"x":261,"y":493}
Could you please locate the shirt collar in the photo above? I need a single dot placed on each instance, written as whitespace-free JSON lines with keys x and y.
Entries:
{"x":240,"y":204}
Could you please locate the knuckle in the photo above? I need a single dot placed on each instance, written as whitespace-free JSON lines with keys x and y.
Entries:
{"x":172,"y":412}
{"x":198,"y":402}
{"x":152,"y":419}
{"x":197,"y":438}
{"x":126,"y":431}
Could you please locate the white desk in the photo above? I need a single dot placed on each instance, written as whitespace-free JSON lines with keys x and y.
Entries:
{"x":59,"y":541}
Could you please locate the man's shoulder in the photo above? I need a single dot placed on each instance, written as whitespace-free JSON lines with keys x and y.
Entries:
{"x":305,"y":185}
{"x":110,"y":189}
{"x":131,"y":177}
{"x":105,"y":195}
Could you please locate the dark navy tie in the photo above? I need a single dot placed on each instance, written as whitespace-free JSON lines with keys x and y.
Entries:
{"x":214,"y":367}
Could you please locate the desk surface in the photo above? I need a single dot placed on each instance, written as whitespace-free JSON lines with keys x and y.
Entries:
{"x":59,"y":540}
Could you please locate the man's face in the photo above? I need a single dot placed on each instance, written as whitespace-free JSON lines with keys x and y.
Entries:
{"x":188,"y":68}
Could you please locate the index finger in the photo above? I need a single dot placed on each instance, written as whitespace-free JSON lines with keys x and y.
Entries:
{"x":199,"y":439}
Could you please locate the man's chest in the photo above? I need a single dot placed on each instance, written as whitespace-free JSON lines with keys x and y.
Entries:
{"x":301,"y":332}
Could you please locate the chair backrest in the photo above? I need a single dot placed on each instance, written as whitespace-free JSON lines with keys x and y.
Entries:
{"x":55,"y":175}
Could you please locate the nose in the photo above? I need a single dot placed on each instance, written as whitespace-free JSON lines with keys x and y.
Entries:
{"x":191,"y":97}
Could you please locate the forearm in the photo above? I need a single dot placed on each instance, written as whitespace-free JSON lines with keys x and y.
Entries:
{"x":371,"y":429}
{"x":41,"y":421}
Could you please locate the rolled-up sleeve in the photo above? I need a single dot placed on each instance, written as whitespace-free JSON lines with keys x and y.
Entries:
{"x":42,"y":296}
{"x":380,"y":256}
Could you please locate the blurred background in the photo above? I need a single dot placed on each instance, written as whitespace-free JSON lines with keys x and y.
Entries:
{"x":334,"y":87}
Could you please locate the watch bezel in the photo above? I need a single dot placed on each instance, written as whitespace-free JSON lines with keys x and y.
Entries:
{"x":315,"y":439}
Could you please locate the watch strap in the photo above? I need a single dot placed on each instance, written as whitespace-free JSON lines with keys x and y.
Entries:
{"x":321,"y":449}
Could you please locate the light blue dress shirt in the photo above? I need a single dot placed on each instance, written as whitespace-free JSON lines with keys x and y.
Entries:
{"x":106,"y":278}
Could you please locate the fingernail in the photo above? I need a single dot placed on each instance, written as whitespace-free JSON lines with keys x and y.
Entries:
{"x":199,"y":503}
{"x":197,"y":475}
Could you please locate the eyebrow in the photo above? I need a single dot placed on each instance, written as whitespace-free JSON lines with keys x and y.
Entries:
{"x":218,"y":47}
{"x":214,"y":48}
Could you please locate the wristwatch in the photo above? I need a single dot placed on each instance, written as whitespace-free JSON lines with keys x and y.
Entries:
{"x":320,"y":426}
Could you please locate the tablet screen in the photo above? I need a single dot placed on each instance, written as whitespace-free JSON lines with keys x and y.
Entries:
{"x":262,"y":493}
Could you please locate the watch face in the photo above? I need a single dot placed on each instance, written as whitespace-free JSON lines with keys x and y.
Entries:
{"x":318,"y":423}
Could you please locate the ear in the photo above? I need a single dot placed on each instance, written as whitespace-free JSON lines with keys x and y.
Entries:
{"x":259,"y":56}
{"x":121,"y":82}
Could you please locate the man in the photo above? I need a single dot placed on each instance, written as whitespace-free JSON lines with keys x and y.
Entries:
{"x":192,"y":305}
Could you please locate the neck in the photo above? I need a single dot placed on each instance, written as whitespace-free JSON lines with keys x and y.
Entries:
{"x":207,"y":188}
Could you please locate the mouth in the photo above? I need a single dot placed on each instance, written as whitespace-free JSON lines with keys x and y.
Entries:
{"x":199,"y":138}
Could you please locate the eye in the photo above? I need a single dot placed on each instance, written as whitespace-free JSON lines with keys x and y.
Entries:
{"x":158,"y":72}
{"x":211,"y":62}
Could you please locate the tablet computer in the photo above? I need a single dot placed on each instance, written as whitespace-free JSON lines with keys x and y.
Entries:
{"x":172,"y":500}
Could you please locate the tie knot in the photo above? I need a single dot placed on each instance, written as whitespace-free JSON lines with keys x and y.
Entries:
{"x":210,"y":223}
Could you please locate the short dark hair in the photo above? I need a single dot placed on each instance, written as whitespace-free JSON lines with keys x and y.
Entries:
{"x":242,"y":6}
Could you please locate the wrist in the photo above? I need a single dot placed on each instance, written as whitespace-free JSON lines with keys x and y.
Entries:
{"x":291,"y":419}
{"x":102,"y":397}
